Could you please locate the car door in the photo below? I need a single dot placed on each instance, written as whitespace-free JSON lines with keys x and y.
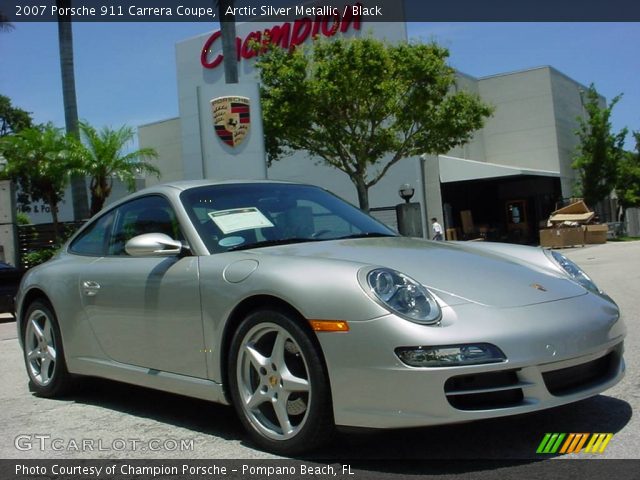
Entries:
{"x":145,"y":311}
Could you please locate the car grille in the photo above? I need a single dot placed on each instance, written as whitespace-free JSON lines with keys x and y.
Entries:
{"x":572,"y":379}
{"x":504,"y":389}
{"x":485,"y":391}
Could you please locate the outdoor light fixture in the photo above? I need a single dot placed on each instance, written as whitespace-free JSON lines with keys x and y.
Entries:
{"x":406,"y":191}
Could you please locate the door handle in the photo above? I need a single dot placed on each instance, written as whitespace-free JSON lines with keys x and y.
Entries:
{"x":90,"y":288}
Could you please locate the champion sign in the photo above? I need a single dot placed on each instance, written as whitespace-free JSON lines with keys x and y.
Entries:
{"x":287,"y":35}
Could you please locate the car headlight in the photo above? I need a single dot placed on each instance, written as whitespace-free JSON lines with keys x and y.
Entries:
{"x":573,"y":271}
{"x":451,"y":355}
{"x":403,"y":296}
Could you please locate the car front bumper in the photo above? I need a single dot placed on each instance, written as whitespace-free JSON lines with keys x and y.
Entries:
{"x":557,"y":353}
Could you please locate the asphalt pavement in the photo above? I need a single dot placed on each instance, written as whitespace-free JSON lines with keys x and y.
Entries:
{"x":104,"y":419}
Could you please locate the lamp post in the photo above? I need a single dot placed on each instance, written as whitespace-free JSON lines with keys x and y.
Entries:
{"x":408,"y":213}
{"x":406,"y":192}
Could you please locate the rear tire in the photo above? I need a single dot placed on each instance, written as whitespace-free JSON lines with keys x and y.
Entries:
{"x":43,"y":351}
{"x":278,"y":384}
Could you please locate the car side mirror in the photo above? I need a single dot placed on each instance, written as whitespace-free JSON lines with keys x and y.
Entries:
{"x":153,"y":245}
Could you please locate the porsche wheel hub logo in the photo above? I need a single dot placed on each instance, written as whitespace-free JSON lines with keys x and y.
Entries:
{"x":231,"y":119}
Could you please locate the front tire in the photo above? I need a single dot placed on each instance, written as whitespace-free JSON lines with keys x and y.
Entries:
{"x":278,"y":384}
{"x":43,"y":352}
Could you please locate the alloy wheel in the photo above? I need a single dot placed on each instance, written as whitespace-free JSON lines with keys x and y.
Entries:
{"x":40,"y":347}
{"x":273,"y":381}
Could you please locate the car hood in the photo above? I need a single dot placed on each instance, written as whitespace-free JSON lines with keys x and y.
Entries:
{"x":468,"y":273}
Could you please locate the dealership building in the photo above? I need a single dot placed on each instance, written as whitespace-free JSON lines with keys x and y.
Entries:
{"x":503,"y":183}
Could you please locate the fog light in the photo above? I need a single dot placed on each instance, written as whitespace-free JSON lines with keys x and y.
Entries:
{"x":450,"y":355}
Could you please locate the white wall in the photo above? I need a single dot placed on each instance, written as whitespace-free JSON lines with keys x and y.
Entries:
{"x":301,"y":168}
{"x":475,"y":149}
{"x":165,"y":136}
{"x":567,"y":104}
{"x":522,"y":131}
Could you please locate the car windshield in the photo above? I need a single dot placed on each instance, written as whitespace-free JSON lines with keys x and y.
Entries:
{"x":253,"y":215}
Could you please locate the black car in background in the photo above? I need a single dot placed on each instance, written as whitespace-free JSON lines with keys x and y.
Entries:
{"x":9,"y":280}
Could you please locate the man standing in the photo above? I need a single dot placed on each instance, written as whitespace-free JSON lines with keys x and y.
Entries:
{"x":437,"y":230}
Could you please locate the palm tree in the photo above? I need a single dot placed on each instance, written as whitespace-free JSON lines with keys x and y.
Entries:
{"x":228,"y":29}
{"x":105,"y":159}
{"x":40,"y":159}
{"x":5,"y":24}
{"x":65,"y":44}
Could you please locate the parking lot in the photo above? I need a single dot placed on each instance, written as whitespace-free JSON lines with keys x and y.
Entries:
{"x":109,"y":420}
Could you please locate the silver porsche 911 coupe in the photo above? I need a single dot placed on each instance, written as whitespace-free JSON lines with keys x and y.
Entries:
{"x":305,"y":314}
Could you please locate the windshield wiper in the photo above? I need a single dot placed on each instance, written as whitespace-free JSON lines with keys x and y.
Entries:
{"x":271,"y":243}
{"x":366,"y":235}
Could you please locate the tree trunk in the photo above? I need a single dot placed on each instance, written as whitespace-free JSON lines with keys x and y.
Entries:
{"x":97,"y":202}
{"x":100,"y":190}
{"x":363,"y":194}
{"x":65,"y":44}
{"x":53,"y":205}
{"x":228,"y":31}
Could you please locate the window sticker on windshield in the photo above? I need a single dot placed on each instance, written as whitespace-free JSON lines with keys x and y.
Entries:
{"x":238,"y":219}
{"x":231,"y":241}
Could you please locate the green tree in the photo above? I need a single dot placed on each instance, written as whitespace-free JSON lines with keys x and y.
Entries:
{"x":600,"y":151}
{"x":65,"y":45}
{"x":40,"y":159}
{"x":362,"y":105}
{"x":104,"y":159}
{"x":628,"y":181}
{"x":12,"y":119}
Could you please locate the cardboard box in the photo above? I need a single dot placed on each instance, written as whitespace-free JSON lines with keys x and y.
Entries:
{"x":576,"y":207}
{"x":467,"y":222}
{"x":562,"y":237}
{"x":576,"y":212}
{"x":596,"y":233}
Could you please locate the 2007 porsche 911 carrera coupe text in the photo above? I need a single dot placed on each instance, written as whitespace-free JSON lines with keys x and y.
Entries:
{"x":305,"y":314}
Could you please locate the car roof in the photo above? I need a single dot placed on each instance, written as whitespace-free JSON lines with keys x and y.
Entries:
{"x":174,"y":189}
{"x":188,"y":184}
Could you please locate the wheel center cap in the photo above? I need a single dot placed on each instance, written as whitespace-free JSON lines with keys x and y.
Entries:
{"x":273,"y":380}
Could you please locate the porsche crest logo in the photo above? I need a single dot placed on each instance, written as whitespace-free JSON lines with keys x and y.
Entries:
{"x":231,"y":119}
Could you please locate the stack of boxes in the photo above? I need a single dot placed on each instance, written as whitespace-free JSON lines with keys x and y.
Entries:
{"x":572,"y":226}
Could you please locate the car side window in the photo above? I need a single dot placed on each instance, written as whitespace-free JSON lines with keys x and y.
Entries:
{"x":152,"y":214}
{"x":94,"y":240}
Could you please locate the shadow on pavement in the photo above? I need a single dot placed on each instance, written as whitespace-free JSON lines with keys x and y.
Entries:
{"x":507,"y":438}
{"x":191,"y":413}
{"x":513,"y":438}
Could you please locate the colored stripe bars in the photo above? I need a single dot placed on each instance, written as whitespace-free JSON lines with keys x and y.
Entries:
{"x":574,"y":443}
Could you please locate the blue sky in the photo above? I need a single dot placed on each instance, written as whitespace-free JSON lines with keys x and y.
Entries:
{"x":126,"y":74}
